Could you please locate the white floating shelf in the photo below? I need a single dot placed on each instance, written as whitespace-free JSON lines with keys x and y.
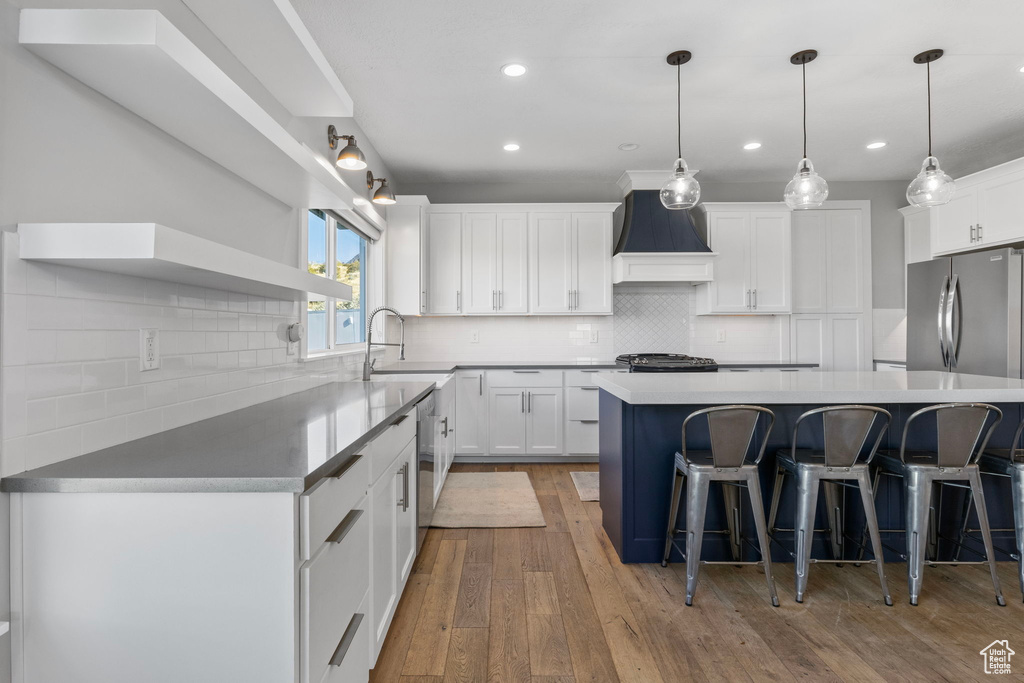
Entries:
{"x":140,"y":60}
{"x":157,"y":252}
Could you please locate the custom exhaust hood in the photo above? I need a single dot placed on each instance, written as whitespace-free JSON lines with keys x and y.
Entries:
{"x":658,"y":244}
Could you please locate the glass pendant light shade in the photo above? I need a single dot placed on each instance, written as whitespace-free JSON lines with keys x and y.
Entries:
{"x":682,"y":191}
{"x":932,"y":186}
{"x":807,"y":189}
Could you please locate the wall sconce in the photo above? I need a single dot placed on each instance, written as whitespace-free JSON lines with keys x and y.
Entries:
{"x":383,"y":195}
{"x":351,"y":157}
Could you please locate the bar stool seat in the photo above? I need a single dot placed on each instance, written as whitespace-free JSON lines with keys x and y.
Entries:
{"x":846,"y":429}
{"x":731,"y":432}
{"x":959,"y":429}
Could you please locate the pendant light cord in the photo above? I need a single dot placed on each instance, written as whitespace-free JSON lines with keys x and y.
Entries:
{"x":803,"y":74}
{"x":679,"y":116}
{"x":929,"y":66}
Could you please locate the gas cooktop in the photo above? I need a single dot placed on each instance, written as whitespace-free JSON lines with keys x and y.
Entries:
{"x":666,"y":362}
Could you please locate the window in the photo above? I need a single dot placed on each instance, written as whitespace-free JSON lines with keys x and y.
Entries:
{"x":335,"y":250}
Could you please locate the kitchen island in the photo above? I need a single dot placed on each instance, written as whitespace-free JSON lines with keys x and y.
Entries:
{"x":641,"y":417}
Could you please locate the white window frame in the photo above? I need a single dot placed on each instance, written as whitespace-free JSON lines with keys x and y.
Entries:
{"x":373,"y":286}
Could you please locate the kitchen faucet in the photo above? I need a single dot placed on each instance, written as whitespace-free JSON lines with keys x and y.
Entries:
{"x":367,"y":363}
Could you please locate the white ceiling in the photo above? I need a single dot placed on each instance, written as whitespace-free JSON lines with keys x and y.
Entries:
{"x":428,"y":91}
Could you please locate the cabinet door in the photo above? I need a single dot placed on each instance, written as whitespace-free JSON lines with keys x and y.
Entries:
{"x":479,"y":263}
{"x":507,"y":421}
{"x":383,"y":501}
{"x":809,"y":263}
{"x":592,"y":263}
{"x":952,"y":229}
{"x":1000,"y":213}
{"x":917,"y":238}
{"x":544,"y":421}
{"x":807,"y":340}
{"x":470,"y":412}
{"x":847,"y":345}
{"x":512,"y":270}
{"x":550,"y":262}
{"x":729,"y":237}
{"x":845,"y":262}
{"x":406,"y":528}
{"x":444,"y":263}
{"x":771,"y":268}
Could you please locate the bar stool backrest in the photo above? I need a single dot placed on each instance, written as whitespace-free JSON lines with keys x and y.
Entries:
{"x":959,"y":428}
{"x":731,"y":431}
{"x":846,"y":429}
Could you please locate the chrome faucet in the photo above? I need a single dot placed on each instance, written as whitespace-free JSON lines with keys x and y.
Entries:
{"x":367,"y":363}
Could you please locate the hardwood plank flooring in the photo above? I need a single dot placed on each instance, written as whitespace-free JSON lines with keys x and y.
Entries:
{"x":555,"y":605}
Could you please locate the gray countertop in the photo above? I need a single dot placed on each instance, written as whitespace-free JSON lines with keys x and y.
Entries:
{"x":287,"y":444}
{"x":439,"y":367}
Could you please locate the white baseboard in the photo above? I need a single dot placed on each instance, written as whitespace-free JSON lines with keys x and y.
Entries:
{"x":533,"y":459}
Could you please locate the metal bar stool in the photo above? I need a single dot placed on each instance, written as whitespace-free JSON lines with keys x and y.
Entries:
{"x":846,"y":430}
{"x":1008,"y":463}
{"x":731,"y":431}
{"x":960,"y":427}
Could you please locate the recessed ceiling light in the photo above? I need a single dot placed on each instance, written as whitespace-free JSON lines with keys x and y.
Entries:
{"x":752,"y":145}
{"x":876,"y":145}
{"x":628,"y":146}
{"x":511,"y":147}
{"x":513,"y":70}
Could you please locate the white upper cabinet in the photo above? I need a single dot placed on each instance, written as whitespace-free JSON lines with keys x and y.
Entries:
{"x":1000,"y":212}
{"x":443,"y":251}
{"x":985,"y":211}
{"x":551,"y":245}
{"x":829,"y":273}
{"x":494,"y":263}
{"x":753,"y":271}
{"x":955,"y":223}
{"x":592,"y":263}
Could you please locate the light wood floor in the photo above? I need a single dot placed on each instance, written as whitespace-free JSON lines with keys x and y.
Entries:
{"x":554,"y":605}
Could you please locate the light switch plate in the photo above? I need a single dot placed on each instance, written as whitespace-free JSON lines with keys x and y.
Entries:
{"x":720,"y":336}
{"x":474,"y":337}
{"x":149,"y":349}
{"x":593,"y":336}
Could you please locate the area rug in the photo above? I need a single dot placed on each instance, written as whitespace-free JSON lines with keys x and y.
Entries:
{"x":484,"y":500}
{"x":586,"y":485}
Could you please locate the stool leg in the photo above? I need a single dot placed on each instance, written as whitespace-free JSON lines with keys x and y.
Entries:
{"x":835,"y":519}
{"x":986,"y":531}
{"x":697,"y":485}
{"x":965,"y":515}
{"x":803,"y":524}
{"x":871,"y":526}
{"x":917,"y":500}
{"x":780,"y":475}
{"x":673,"y":514}
{"x":1017,"y":489}
{"x":757,"y":505}
{"x":874,"y":496}
{"x":934,"y":517}
{"x":731,"y":496}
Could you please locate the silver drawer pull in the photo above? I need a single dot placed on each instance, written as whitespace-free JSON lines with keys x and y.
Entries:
{"x":339,"y":534}
{"x":399,"y":420}
{"x":345,"y":466}
{"x":589,"y":422}
{"x":526,"y":372}
{"x":590,"y":371}
{"x":590,"y":388}
{"x":346,"y":640}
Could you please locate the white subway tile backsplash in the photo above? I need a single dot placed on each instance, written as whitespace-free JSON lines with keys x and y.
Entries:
{"x":104,"y":433}
{"x":105,"y":375}
{"x":52,"y":380}
{"x":75,"y":345}
{"x":46,"y":448}
{"x":42,"y":415}
{"x":125,"y":400}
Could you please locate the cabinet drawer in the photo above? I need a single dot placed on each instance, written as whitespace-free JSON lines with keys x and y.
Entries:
{"x":331,"y":586}
{"x":581,"y":403}
{"x":326,"y":504}
{"x":351,"y":658}
{"x":583,"y":378}
{"x":524,"y":378}
{"x":385,"y":448}
{"x":582,"y":438}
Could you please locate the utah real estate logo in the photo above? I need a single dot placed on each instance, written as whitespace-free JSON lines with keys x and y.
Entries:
{"x":997,"y":657}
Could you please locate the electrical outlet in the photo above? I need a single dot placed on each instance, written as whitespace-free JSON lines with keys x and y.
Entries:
{"x":593,"y":336}
{"x":149,"y":349}
{"x":720,"y":336}
{"x":474,"y":337}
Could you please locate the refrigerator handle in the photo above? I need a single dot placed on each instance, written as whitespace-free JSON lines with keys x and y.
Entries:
{"x":943,"y":292}
{"x":953,"y":338}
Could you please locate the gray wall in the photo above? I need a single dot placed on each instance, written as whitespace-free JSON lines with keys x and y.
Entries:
{"x":886,"y":197}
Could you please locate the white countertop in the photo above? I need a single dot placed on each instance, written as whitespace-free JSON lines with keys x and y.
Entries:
{"x":806,"y":388}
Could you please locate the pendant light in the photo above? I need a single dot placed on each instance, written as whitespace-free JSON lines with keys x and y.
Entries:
{"x":383,"y":195}
{"x":807,"y":189}
{"x":931,"y":187}
{"x":682,"y":191}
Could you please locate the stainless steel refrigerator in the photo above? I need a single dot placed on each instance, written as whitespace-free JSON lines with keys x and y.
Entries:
{"x":964,"y":314}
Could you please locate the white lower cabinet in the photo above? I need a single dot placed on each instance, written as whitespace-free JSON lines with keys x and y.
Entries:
{"x":544,"y":421}
{"x":470,"y":412}
{"x":506,"y":408}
